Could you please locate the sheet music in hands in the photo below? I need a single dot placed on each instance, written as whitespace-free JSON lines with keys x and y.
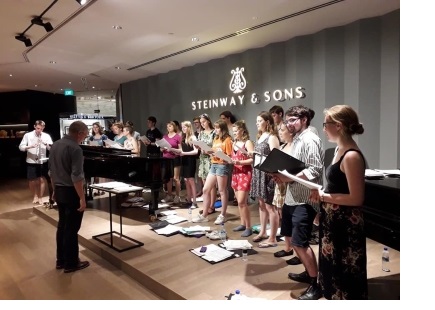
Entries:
{"x":202,"y":145}
{"x":306,"y":183}
{"x":163,"y":144}
{"x":223,"y":156}
{"x":93,"y":143}
{"x":258,"y":159}
{"x":113,"y":144}
{"x":242,"y":150}
{"x":145,"y":139}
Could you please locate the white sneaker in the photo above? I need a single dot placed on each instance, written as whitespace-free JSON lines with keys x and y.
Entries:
{"x":183,"y":200}
{"x":177,"y":199}
{"x":216,"y":235}
{"x":167,"y":199}
{"x":220,"y":219}
{"x":200,"y":219}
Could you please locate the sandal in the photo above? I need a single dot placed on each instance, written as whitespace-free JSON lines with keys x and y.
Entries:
{"x":210,"y":211}
{"x":267,"y":245}
{"x":258,"y":238}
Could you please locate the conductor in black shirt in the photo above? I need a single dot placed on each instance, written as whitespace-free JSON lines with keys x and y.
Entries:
{"x":67,"y":175}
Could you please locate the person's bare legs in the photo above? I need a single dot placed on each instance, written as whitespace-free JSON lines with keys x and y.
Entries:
{"x":191,"y":190}
{"x":177,"y":180}
{"x":288,"y":243}
{"x":264,"y":219}
{"x":41,"y":189}
{"x":274,"y":222}
{"x":308,"y":259}
{"x":169,"y":187}
{"x":245,"y":214}
{"x":34,"y":190}
{"x":213,"y":195}
{"x":209,"y":187}
{"x":223,"y":191}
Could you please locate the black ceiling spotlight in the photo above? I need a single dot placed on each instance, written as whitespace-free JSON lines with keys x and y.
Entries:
{"x":81,"y":2}
{"x":23,"y":38}
{"x":38,"y":21}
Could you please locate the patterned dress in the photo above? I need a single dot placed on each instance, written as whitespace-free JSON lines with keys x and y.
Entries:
{"x":242,"y":174}
{"x":262,"y":185}
{"x":204,"y":160}
{"x":342,"y":249}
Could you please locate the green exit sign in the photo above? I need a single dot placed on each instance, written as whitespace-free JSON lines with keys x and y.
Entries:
{"x":69,"y":92}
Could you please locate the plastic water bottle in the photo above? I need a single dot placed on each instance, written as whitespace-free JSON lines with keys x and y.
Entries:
{"x":223,"y":233}
{"x":386,"y":260}
{"x":189,"y":214}
{"x":244,"y":254}
{"x":237,"y":295}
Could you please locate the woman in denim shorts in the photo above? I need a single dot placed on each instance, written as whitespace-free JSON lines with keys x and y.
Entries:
{"x":219,"y":171}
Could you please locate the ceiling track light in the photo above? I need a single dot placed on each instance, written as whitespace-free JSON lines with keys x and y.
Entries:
{"x":82,"y":2}
{"x":38,"y":21}
{"x":24,"y":39}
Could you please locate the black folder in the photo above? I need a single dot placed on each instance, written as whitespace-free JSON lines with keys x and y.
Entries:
{"x":278,"y":160}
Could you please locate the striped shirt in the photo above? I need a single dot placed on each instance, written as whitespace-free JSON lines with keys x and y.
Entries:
{"x":308,"y":148}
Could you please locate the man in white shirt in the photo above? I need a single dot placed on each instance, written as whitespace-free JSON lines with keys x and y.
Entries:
{"x":36,"y":143}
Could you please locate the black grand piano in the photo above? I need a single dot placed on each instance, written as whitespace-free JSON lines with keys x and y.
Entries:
{"x":121,"y":165}
{"x":382,"y":211}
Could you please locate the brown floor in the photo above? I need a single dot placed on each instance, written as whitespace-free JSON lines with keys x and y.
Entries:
{"x":161,"y":269}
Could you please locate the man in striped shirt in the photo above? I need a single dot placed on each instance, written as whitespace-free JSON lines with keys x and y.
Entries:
{"x":298,"y":213}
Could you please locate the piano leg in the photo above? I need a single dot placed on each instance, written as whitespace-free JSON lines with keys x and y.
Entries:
{"x":88,"y":190}
{"x":155,"y":190}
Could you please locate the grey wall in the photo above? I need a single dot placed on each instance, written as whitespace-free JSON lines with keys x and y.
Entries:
{"x":357,"y":64}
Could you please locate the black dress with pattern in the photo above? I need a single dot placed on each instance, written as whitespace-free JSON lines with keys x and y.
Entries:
{"x":262,"y":184}
{"x":342,"y":249}
{"x":188,"y":162}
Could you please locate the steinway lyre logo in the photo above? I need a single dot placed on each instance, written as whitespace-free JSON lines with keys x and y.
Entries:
{"x":238,"y":81}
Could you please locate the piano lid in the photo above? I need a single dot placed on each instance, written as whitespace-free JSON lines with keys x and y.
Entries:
{"x":101,"y":150}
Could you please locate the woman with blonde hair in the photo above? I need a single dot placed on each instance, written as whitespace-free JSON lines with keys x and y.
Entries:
{"x":188,"y":155}
{"x":342,"y":249}
{"x":242,"y":174}
{"x":130,"y":142}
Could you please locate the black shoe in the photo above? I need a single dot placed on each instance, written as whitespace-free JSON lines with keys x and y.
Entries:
{"x":313,"y":292}
{"x":300,"y":277}
{"x":294,"y":261}
{"x":283,"y":253}
{"x":80,"y":265}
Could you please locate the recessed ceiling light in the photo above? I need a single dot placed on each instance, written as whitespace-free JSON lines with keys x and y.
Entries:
{"x":10,"y":74}
{"x":36,"y":85}
{"x":117,"y":27}
{"x":117,"y":67}
{"x":254,"y":17}
{"x":69,"y":83}
{"x":195,"y":39}
{"x":93,"y":87}
{"x":52,"y":62}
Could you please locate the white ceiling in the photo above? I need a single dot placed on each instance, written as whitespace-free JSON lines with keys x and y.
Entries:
{"x":87,"y":49}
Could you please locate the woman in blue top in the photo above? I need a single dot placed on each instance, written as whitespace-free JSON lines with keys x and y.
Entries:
{"x":117,"y":129}
{"x":97,"y":134}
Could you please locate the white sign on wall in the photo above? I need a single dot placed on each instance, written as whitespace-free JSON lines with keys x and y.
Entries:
{"x":237,"y":85}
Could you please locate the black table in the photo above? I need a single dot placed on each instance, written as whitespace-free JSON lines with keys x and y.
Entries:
{"x":117,"y":190}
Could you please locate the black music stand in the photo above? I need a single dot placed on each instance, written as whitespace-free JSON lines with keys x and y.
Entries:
{"x":117,"y":190}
